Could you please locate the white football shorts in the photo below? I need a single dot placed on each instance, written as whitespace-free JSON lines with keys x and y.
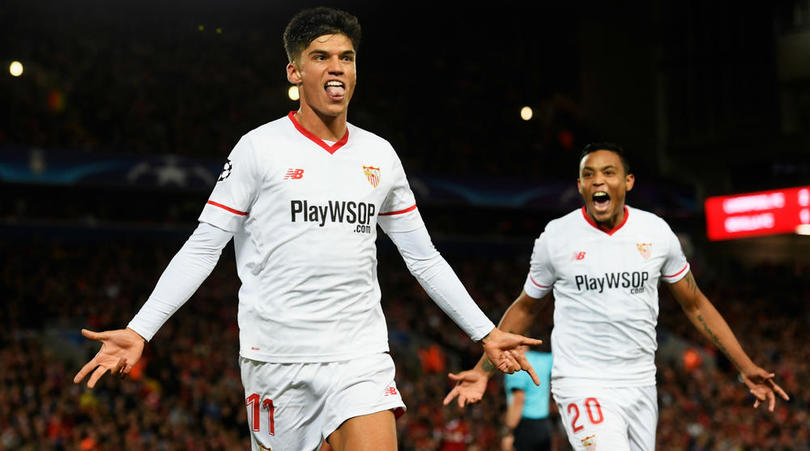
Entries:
{"x":604,"y":418}
{"x":293,"y":406}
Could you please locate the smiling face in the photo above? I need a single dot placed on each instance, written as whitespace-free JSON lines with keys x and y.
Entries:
{"x":603,"y":184}
{"x":325,"y":74}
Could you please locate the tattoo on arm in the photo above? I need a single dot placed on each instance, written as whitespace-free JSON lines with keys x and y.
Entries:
{"x":714,"y":339}
{"x":691,"y":284}
{"x":487,"y":365}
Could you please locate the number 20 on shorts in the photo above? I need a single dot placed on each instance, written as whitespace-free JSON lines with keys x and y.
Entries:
{"x":254,"y":414}
{"x":593,"y":409}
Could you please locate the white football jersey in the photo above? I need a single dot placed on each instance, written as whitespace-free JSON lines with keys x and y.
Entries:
{"x":605,"y":295}
{"x":305,"y":217}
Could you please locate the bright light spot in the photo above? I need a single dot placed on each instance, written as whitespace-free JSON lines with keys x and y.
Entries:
{"x":292,"y":93}
{"x":219,"y":30}
{"x":201,"y":27}
{"x":803,"y":229}
{"x":526,"y":113}
{"x":15,"y":68}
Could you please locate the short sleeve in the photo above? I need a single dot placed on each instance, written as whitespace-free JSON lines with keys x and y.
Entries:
{"x":235,"y":191}
{"x":541,"y":272}
{"x":398,"y":212}
{"x":675,"y":265}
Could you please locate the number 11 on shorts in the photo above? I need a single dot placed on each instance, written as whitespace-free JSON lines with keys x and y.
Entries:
{"x":254,"y":414}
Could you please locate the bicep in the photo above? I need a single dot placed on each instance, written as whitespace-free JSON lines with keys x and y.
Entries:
{"x":686,"y":292}
{"x":530,"y":303}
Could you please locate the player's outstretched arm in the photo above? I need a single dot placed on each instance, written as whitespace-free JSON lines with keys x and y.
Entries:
{"x":120,"y":350}
{"x":471,"y":384}
{"x":705,"y":317}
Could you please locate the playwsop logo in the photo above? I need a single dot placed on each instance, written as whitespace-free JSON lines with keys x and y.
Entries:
{"x":226,"y":171}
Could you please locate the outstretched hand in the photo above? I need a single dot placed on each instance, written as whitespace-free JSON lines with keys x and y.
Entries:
{"x":470,"y":387}
{"x":120,"y":350}
{"x":760,"y":383}
{"x":506,"y":352}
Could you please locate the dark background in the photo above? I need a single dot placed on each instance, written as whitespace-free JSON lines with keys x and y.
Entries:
{"x":708,"y":98}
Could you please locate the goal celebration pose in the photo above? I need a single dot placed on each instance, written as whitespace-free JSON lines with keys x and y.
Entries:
{"x":603,"y":264}
{"x":302,"y":197}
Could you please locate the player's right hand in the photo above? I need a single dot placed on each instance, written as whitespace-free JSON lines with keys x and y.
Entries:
{"x":470,"y":387}
{"x":762,"y":386}
{"x":120,"y":350}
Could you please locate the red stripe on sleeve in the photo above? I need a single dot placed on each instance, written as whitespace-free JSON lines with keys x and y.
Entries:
{"x":677,"y":273}
{"x":541,"y":286}
{"x":399,"y":212}
{"x":236,"y":212}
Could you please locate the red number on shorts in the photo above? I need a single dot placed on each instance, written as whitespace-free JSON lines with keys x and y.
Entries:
{"x":574,"y":425}
{"x":591,"y":404}
{"x":253,"y":401}
{"x":271,"y":421}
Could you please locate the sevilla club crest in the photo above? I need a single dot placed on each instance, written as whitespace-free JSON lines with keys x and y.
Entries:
{"x":645,"y":249}
{"x":372,"y":174}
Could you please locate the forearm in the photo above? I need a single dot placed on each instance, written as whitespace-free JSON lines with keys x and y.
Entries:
{"x":184,"y":274}
{"x":711,"y":324}
{"x":440,"y":282}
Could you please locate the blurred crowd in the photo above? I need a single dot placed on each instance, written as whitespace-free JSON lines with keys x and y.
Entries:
{"x":186,"y":392}
{"x":142,"y":81}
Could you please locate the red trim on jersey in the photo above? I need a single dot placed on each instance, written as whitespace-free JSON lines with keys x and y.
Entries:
{"x":236,"y":212}
{"x":541,"y":286}
{"x":399,"y":212}
{"x":611,"y":231}
{"x":678,"y":273}
{"x":331,"y":149}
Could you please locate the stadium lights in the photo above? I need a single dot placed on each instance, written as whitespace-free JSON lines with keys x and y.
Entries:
{"x":292,"y":93}
{"x":15,"y":68}
{"x":526,"y":113}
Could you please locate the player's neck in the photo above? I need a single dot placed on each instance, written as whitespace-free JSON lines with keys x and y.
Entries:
{"x":611,"y":223}
{"x":328,"y":128}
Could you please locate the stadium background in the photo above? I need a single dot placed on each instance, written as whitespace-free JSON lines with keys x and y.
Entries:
{"x":110,"y":137}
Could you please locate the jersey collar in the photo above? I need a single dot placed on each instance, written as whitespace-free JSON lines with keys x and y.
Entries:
{"x":331,"y":149}
{"x":596,"y":226}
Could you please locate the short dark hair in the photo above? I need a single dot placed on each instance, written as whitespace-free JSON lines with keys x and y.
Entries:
{"x":308,"y":24}
{"x":612,"y":147}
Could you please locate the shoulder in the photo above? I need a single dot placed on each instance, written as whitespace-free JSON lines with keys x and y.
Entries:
{"x":364,"y":137}
{"x":563,"y":224}
{"x":271,"y":130}
{"x":648,"y":219}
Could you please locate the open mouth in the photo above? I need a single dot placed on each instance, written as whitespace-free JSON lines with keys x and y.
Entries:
{"x":601,"y":200}
{"x":335,"y":90}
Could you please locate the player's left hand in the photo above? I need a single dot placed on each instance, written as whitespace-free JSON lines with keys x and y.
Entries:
{"x":505,"y":351}
{"x":760,"y":383}
{"x":470,"y":387}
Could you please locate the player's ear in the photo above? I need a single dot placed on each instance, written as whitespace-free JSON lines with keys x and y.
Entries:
{"x":293,"y":73}
{"x":629,"y":181}
{"x":579,"y":186}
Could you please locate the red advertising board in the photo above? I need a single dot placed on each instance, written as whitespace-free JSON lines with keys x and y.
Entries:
{"x":760,"y":213}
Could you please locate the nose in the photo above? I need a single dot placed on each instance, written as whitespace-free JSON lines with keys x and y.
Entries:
{"x":334,"y":66}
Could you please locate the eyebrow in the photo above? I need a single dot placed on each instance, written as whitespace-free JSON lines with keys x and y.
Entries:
{"x":610,"y":166}
{"x":324,"y":52}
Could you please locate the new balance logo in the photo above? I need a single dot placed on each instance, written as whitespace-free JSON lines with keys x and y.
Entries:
{"x":390,"y":391}
{"x":579,"y":256}
{"x":294,"y":174}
